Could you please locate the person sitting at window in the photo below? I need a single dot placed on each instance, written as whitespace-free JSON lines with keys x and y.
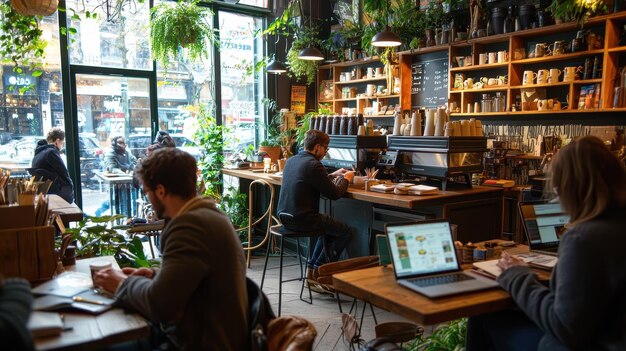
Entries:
{"x":47,"y":164}
{"x":118,"y":159}
{"x":583,"y":308}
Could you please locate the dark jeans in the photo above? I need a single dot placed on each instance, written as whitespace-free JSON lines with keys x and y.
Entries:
{"x":329,"y":247}
{"x":507,"y":330}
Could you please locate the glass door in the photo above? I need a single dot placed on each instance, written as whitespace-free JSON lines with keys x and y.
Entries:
{"x":114,"y":125}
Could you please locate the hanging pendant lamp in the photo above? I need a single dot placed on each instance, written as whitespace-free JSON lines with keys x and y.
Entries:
{"x":311,"y":54}
{"x":386,"y":38}
{"x":276,"y":67}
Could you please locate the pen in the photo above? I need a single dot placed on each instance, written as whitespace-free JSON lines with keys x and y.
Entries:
{"x":82,"y":299}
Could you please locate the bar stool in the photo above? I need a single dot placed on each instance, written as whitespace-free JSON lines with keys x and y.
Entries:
{"x":282,"y":233}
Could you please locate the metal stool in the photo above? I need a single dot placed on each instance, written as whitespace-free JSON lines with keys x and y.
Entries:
{"x":282,"y":233}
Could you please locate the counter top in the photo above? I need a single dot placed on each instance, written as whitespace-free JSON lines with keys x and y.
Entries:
{"x":403,"y":201}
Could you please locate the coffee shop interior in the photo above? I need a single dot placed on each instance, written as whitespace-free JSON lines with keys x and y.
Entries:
{"x":439,"y":121}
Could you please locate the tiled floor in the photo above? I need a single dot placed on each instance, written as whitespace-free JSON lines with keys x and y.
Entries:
{"x":323,"y":312}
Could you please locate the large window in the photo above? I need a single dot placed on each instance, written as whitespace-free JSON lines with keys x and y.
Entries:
{"x":241,"y":94}
{"x":119,"y":40}
{"x":26,"y":118}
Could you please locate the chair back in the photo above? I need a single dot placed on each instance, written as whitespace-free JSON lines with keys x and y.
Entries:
{"x":248,"y":246}
{"x":259,"y":315}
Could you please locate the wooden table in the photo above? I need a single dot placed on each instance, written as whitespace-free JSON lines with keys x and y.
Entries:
{"x":93,"y":331}
{"x":121,"y":192}
{"x":377,"y":285}
{"x":68,"y":212}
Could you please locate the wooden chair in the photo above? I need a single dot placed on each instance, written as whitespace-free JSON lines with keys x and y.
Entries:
{"x":266,"y":215}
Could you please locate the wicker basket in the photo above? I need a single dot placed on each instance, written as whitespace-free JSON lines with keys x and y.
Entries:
{"x":35,"y":7}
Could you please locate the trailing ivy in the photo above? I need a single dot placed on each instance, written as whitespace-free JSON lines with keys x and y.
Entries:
{"x":21,"y":43}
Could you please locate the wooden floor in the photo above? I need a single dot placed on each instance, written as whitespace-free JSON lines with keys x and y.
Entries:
{"x":323,"y":312}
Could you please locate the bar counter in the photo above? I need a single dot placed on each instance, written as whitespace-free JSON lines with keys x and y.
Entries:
{"x":476,"y":211}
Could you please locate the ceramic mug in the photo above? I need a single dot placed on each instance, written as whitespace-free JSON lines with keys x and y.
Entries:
{"x":558,"y":47}
{"x":503,"y":80}
{"x":542,"y":76}
{"x":570,"y":73}
{"x":541,"y":49}
{"x":469,"y":83}
{"x":529,"y":77}
{"x":503,"y":56}
{"x":542,"y":105}
{"x":482,"y":59}
{"x":379,"y":72}
{"x":493,"y":57}
{"x":370,"y":90}
{"x":553,"y":77}
{"x":492,"y":81}
{"x":370,"y":72}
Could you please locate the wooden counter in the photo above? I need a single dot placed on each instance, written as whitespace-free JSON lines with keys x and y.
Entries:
{"x":476,"y":211}
{"x":402,"y":201}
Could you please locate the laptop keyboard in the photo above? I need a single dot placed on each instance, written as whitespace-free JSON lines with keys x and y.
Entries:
{"x":442,"y":279}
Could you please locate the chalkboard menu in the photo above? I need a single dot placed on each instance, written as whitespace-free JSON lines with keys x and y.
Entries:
{"x":429,"y":80}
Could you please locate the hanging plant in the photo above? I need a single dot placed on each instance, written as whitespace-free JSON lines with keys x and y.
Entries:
{"x":182,"y":24}
{"x":35,"y":7}
{"x":21,"y":44}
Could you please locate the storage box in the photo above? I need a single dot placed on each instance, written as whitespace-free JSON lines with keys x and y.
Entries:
{"x":13,"y":216}
{"x":28,"y":253}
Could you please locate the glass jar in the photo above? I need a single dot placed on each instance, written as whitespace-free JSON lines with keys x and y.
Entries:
{"x":486,"y":103}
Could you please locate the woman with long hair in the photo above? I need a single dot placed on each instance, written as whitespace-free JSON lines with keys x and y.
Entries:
{"x":583,"y":307}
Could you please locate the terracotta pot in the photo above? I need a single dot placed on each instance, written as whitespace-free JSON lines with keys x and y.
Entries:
{"x":35,"y":7}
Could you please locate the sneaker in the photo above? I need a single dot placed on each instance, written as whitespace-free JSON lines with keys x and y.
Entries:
{"x":311,"y":274}
{"x":318,"y":288}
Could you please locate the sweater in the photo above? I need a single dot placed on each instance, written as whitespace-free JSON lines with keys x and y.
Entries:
{"x":199,"y":293}
{"x":15,"y":305}
{"x":47,"y":164}
{"x":304,"y":179}
{"x":583,"y":308}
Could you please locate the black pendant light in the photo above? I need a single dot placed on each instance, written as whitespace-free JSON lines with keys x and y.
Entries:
{"x":276,"y":67}
{"x":386,"y":38}
{"x":310,"y":53}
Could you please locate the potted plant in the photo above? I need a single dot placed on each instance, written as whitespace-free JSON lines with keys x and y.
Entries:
{"x":449,"y":337}
{"x":181,"y":24}
{"x":569,"y":10}
{"x":272,"y":143}
{"x":98,"y":236}
{"x":21,"y":42}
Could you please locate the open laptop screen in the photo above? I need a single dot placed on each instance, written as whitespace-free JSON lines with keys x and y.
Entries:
{"x":544,"y":223}
{"x":421,"y":248}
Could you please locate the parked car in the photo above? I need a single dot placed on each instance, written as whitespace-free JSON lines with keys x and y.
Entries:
{"x":137,"y":143}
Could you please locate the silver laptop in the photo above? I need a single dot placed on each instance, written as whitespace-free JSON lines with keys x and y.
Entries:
{"x":424,"y":259}
{"x":544,"y":224}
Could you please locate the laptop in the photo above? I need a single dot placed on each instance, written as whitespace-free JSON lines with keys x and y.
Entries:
{"x":424,"y":259}
{"x":544,"y":224}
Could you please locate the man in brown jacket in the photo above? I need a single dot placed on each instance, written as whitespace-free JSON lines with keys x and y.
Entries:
{"x":199,"y":293}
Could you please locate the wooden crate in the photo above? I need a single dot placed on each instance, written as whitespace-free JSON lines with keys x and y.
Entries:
{"x":13,"y":216}
{"x":28,"y":253}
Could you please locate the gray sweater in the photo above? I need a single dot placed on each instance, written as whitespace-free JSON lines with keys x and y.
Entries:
{"x":199,"y":294}
{"x":584,"y":307}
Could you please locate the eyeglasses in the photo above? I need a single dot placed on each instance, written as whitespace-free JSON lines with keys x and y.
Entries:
{"x":121,"y":142}
{"x":326,"y":147}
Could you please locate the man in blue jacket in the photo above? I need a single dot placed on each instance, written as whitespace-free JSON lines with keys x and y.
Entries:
{"x":304,"y":179}
{"x":48,"y":165}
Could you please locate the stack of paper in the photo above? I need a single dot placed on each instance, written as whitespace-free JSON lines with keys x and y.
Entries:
{"x":423,"y":190}
{"x":382,"y":188}
{"x":45,"y":324}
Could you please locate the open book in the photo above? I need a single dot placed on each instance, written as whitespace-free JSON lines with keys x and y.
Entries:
{"x":71,"y":290}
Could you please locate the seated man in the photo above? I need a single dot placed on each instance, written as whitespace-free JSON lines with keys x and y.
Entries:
{"x":47,"y":164}
{"x":199,"y":294}
{"x":118,"y":159}
{"x":304,"y":179}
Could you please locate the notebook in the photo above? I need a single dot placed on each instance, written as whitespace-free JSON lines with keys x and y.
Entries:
{"x":424,"y":259}
{"x":544,"y":224}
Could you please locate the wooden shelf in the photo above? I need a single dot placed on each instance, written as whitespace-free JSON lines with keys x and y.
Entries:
{"x":379,"y":116}
{"x":348,"y":99}
{"x":379,"y":97}
{"x":617,"y":49}
{"x":550,"y":85}
{"x":561,"y":57}
{"x":355,"y":81}
{"x":357,"y":62}
{"x":479,"y":67}
{"x":535,"y":112}
{"x":496,"y":88}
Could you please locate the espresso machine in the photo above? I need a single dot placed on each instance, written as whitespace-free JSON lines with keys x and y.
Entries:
{"x":358,"y":151}
{"x":438,"y":157}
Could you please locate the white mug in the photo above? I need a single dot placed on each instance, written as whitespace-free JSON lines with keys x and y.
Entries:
{"x":482,"y":59}
{"x":379,"y":72}
{"x":569,"y":74}
{"x":554,"y":75}
{"x":370,"y":90}
{"x":493,"y":57}
{"x":529,"y":77}
{"x":503,"y":56}
{"x":370,"y":72}
{"x":542,"y":76}
{"x":542,"y":105}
